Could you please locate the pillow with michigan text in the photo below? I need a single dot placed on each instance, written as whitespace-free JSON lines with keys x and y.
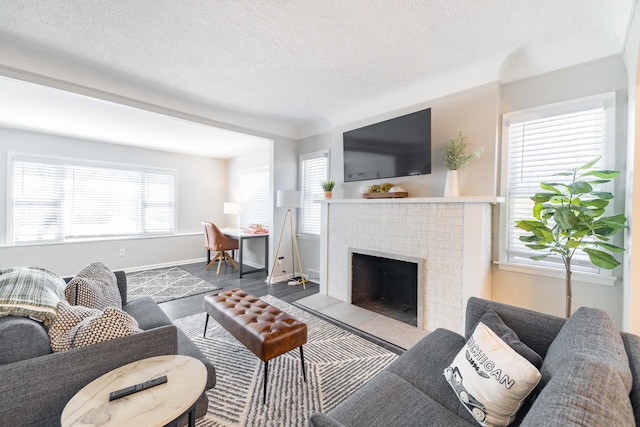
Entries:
{"x":491,"y":379}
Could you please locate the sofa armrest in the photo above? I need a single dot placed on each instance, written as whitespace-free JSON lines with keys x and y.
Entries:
{"x":632,"y":347}
{"x":535,"y":329}
{"x":319,"y":419}
{"x":35,"y":391}
{"x":121,"y":278}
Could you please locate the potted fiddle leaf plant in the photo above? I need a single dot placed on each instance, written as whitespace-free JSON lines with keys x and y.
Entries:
{"x":570,"y":216}
{"x":327,"y":186}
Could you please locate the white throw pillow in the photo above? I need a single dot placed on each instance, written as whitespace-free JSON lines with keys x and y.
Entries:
{"x":490,"y":378}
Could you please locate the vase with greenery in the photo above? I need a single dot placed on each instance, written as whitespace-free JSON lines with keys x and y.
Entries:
{"x":327,"y":186}
{"x":457,"y":154}
{"x":570,"y":216}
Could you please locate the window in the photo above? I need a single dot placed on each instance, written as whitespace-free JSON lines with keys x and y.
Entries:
{"x":58,"y":200}
{"x":540,"y":143}
{"x":255,"y":198}
{"x":314,"y":168}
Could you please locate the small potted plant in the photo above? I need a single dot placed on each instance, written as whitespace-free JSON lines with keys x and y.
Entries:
{"x":327,"y":186}
{"x":456,"y":156}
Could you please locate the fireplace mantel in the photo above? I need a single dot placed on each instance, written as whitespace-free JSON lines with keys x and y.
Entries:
{"x":452,"y":236}
{"x":462,"y":199}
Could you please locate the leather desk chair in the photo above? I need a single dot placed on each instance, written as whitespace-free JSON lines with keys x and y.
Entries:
{"x":215,"y":241}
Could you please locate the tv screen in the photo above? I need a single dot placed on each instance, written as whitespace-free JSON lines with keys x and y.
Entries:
{"x":389,"y":149}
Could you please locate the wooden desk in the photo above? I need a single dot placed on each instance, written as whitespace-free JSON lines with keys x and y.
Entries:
{"x":156,"y":406}
{"x":241,"y":236}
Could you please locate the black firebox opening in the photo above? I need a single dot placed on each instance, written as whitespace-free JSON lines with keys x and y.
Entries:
{"x":385,"y":286}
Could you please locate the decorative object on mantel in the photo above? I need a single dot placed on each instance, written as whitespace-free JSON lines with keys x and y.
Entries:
{"x":385,"y":191}
{"x":568,"y":216}
{"x":456,"y":156}
{"x":327,"y":186}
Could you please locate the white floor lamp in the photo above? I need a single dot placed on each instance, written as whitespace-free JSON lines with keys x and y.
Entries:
{"x":289,"y":199}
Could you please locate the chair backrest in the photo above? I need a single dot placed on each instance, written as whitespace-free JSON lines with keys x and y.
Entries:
{"x":214,"y":240}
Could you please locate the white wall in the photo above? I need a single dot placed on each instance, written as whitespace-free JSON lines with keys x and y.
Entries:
{"x":473,"y":111}
{"x":477,"y":112}
{"x":253,"y":251}
{"x":201,"y":194}
{"x":539,"y":292}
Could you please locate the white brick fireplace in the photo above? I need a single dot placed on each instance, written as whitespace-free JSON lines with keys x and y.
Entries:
{"x":452,"y":236}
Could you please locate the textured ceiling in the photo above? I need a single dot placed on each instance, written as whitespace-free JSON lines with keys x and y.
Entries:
{"x":307,"y":63}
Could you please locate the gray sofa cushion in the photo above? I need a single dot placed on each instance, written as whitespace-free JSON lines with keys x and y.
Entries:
{"x":583,"y":394}
{"x":632,"y":347}
{"x":422,"y":366}
{"x":388,"y":400}
{"x":27,"y":339}
{"x":147,"y":313}
{"x":586,"y":375}
{"x":589,"y":336}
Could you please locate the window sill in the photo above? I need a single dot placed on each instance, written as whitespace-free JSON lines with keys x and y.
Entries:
{"x":595,"y":279}
{"x":313,"y":237}
{"x":99,"y":240}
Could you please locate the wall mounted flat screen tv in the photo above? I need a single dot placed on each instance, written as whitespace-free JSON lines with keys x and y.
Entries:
{"x":393,"y":148}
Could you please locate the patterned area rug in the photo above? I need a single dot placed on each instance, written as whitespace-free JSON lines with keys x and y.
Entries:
{"x":337,"y":364}
{"x":166,"y":284}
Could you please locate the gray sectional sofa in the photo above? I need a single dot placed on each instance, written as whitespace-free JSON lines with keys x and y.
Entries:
{"x":36,"y":384}
{"x":590,"y":376}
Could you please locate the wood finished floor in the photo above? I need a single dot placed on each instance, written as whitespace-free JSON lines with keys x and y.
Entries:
{"x":228,"y":279}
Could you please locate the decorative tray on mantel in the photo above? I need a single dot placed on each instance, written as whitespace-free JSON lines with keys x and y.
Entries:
{"x":385,"y":195}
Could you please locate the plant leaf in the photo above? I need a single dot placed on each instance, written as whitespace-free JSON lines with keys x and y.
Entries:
{"x":602,"y":259}
{"x":589,"y":164}
{"x":604,"y":174}
{"x":609,"y":246}
{"x":580,"y":187}
{"x":565,"y":218}
{"x":602,"y":195}
{"x":550,"y":186}
{"x":539,"y":257}
{"x":542,"y":197}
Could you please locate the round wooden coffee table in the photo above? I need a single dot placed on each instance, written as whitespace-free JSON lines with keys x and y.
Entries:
{"x":156,"y":406}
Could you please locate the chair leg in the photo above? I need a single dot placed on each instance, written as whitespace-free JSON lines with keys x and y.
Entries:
{"x":220,"y":261}
{"x":213,"y":261}
{"x":304,"y":373}
{"x":264,"y":393}
{"x":206,"y":322}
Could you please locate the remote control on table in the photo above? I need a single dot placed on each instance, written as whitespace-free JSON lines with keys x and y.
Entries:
{"x":136,"y":388}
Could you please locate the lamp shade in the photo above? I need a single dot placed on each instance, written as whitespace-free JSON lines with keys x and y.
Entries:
{"x":289,"y":199}
{"x":231,"y":208}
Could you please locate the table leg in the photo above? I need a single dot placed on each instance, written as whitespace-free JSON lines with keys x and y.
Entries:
{"x":266,"y":255}
{"x":240,"y":244}
{"x":264,"y":393}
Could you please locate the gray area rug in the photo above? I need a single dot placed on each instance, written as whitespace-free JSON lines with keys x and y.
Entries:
{"x":165,"y":284}
{"x":337,"y":364}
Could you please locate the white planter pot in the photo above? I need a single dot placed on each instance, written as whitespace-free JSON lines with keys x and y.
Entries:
{"x":451,"y":184}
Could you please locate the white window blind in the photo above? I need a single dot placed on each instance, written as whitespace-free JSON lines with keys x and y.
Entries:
{"x":255,"y":198}
{"x":314,"y":168}
{"x":57,"y":200}
{"x":540,"y":146}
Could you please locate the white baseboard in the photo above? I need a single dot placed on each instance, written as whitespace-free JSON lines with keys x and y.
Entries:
{"x":165,"y":264}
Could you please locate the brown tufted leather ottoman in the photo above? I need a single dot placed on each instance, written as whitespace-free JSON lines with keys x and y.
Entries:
{"x":264,"y":329}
